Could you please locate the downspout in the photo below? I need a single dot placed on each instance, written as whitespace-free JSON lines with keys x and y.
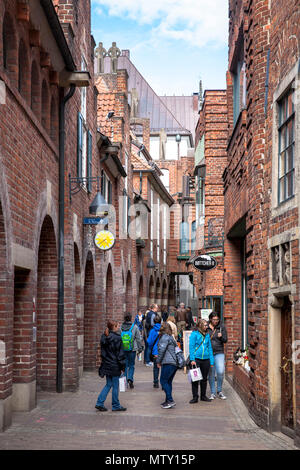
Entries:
{"x":61,"y":236}
{"x":267,"y":83}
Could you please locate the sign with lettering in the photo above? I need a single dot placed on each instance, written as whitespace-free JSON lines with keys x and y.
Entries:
{"x":204,"y":262}
{"x":94,"y":221}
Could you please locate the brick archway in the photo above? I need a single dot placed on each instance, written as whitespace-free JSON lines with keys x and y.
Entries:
{"x":89,"y":325}
{"x":151,"y":292}
{"x":109,"y":307}
{"x":47,"y":298}
{"x":128,"y":294}
{"x":79,"y":307}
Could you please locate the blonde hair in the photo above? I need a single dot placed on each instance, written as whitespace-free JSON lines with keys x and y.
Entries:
{"x":172,"y":319}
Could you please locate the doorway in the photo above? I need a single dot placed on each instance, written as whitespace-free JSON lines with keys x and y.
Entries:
{"x":287,"y":379}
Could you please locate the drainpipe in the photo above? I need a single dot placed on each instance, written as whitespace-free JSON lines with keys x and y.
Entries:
{"x":61,"y":236}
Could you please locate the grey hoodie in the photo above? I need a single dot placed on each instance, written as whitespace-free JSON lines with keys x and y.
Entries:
{"x":136,"y":336}
{"x":166,"y":350}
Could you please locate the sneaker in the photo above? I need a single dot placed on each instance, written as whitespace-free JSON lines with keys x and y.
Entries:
{"x":213,"y":396}
{"x":120,"y":409}
{"x":172,"y":403}
{"x":194,"y":400}
{"x":130,"y":383}
{"x":149,"y":364}
{"x":155,"y":385}
{"x":100,"y":408}
{"x":205,"y":399}
{"x":166,"y":405}
{"x":221,"y":395}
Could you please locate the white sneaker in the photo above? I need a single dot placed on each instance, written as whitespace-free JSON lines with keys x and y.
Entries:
{"x":212,"y":397}
{"x":149,"y":364}
{"x":221,"y":395}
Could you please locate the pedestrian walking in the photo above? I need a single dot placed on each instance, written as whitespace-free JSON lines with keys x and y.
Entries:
{"x":112,"y":365}
{"x":132,"y":344}
{"x":201,"y":355}
{"x":149,"y":322}
{"x":139,"y":321}
{"x":218,"y":337}
{"x":166,"y":360}
{"x":171,"y":321}
{"x":190,"y":321}
{"x":181,"y":319}
{"x":153,"y":347}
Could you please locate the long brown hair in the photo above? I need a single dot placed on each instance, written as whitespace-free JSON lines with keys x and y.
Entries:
{"x":111,"y":324}
{"x":165,"y":329}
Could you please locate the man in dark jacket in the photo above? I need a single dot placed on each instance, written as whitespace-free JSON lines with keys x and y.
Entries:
{"x":218,"y":337}
{"x":152,"y":345}
{"x":149,"y":323}
{"x":136,"y":347}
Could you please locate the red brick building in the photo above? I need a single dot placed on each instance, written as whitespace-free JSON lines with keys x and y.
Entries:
{"x":261,"y":280}
{"x":42,"y":327}
{"x":210,"y":163}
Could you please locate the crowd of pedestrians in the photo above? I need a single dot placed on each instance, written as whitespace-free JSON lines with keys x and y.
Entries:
{"x":159,"y":334}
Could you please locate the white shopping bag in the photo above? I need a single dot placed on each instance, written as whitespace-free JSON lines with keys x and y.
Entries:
{"x":122,"y":383}
{"x":194,"y":375}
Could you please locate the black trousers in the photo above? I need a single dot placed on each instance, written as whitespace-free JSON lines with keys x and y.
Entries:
{"x":204,"y":365}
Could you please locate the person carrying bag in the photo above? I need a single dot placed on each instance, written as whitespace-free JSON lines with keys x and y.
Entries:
{"x":201,"y":355}
{"x":152,"y":343}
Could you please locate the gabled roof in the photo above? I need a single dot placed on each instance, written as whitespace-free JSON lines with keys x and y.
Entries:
{"x":150,"y":104}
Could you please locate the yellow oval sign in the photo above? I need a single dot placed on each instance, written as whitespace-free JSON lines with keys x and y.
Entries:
{"x":104,"y":240}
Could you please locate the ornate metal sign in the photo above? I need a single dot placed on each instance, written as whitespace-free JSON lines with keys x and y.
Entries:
{"x":204,"y":262}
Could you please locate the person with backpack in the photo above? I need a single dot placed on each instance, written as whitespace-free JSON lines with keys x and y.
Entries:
{"x":201,"y":355}
{"x":152,"y":345}
{"x":112,"y":365}
{"x":166,"y":360}
{"x":132,"y":344}
{"x":149,"y":322}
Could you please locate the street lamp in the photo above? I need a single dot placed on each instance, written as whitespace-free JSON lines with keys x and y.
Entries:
{"x":178,"y":140}
{"x":150,"y":264}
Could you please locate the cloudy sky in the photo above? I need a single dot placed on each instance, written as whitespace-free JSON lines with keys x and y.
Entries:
{"x":173,"y":43}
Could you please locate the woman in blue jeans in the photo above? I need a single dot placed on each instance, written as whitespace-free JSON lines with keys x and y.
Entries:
{"x":218,"y":337}
{"x":112,"y":365}
{"x":166,"y":360}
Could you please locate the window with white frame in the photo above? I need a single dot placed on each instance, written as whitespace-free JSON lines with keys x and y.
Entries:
{"x":165,"y":178}
{"x":158,"y":230}
{"x":286,"y":146}
{"x":83,"y":91}
{"x":165,"y":234}
{"x":151,"y":222}
{"x":84,"y":152}
{"x":106,"y":187}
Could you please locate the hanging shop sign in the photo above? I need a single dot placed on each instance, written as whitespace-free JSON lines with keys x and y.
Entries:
{"x":104,"y":240}
{"x":95,"y":221}
{"x":204,"y":262}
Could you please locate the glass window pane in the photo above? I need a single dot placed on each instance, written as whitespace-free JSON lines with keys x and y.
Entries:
{"x":290,"y":132}
{"x":282,"y":165}
{"x":289,"y":159}
{"x":281,"y":190}
{"x":290,"y":184}
{"x":290,"y":106}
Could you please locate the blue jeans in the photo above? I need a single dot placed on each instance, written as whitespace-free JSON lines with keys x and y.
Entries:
{"x":111,"y":382}
{"x":218,"y":368}
{"x":167,"y":375}
{"x":155,"y":372}
{"x":129,"y":364}
{"x":147,"y":353}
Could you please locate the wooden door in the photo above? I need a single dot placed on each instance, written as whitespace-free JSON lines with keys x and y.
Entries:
{"x":287,"y":413}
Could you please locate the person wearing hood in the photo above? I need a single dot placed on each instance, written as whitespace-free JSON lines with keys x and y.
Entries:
{"x":201,"y":355}
{"x":152,"y":342}
{"x":130,"y":350}
{"x":112,"y":365}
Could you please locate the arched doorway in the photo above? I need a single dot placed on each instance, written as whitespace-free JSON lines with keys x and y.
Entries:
{"x":164,"y":297}
{"x":151,"y":292}
{"x":128,"y":295}
{"x":79,"y":308}
{"x":142,"y":299}
{"x":109,"y":306}
{"x":47,"y":298}
{"x":158,"y":293}
{"x":90,"y":345}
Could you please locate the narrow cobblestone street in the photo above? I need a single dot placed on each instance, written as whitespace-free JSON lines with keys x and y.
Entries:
{"x":70,"y":421}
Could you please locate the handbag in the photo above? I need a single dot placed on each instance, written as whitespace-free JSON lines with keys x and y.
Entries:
{"x":195,"y":374}
{"x":122,"y":383}
{"x":188,"y":360}
{"x":179,"y":357}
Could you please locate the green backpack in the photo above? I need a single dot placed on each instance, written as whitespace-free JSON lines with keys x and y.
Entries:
{"x":127,"y":339}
